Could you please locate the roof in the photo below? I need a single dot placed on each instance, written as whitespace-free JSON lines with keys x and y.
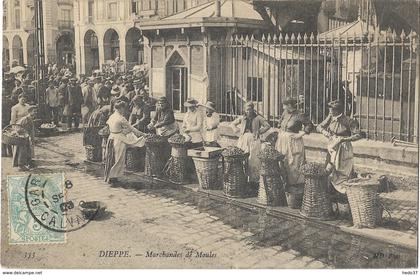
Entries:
{"x":351,"y":31}
{"x":233,"y":13}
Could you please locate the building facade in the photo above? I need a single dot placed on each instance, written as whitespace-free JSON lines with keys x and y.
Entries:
{"x":105,"y":31}
{"x":18,"y":32}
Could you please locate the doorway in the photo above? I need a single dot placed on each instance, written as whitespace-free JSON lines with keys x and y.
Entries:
{"x":177,"y":92}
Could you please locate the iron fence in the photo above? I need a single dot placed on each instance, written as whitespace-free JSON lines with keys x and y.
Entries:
{"x":372,"y":75}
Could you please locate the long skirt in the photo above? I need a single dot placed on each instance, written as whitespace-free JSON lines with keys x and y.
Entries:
{"x":22,"y":155}
{"x":294,"y":151}
{"x":250,"y":145}
{"x":341,"y":157}
{"x":115,"y":153}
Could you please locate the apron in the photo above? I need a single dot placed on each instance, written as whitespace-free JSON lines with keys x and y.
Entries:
{"x":248,"y":144}
{"x":115,"y":153}
{"x":294,"y":151}
{"x":341,"y":157}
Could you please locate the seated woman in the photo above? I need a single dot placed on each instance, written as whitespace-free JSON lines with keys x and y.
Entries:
{"x":341,"y":131}
{"x":293,"y":126}
{"x":122,"y":135}
{"x":163,"y":122}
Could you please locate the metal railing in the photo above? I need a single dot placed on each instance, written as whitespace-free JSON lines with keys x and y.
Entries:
{"x":373,"y":76}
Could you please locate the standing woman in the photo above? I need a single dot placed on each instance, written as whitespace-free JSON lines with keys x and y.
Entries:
{"x":251,"y":126}
{"x":341,"y":131}
{"x":193,"y":123}
{"x":290,"y":141}
{"x":122,"y":135}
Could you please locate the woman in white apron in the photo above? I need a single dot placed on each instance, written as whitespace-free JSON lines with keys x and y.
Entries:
{"x":341,"y":131}
{"x":192,"y":124}
{"x":293,"y":126}
{"x":122,"y":135}
{"x":251,"y":127}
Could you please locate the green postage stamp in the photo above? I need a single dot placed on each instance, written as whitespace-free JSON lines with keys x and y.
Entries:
{"x":34,"y":201}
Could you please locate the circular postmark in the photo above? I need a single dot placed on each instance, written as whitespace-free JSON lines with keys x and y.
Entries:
{"x":50,"y":203}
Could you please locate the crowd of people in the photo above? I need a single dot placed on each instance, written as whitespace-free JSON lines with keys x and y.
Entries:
{"x":122,"y":102}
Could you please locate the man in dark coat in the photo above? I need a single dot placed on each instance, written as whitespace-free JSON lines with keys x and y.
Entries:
{"x":104,"y":94}
{"x":73,"y":101}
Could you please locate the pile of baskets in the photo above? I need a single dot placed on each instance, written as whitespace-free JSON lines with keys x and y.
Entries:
{"x":234,"y":174}
{"x":177,"y":166}
{"x":316,"y":202}
{"x":364,"y":203}
{"x":271,"y":186}
{"x":155,"y":159}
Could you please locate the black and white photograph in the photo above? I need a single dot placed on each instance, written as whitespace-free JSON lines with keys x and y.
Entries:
{"x":210,"y":134}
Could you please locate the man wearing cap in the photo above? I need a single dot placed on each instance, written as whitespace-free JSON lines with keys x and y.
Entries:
{"x":251,"y":126}
{"x":293,"y":126}
{"x":150,"y":101}
{"x":52,"y":100}
{"x":340,"y":131}
{"x":23,"y":154}
{"x":98,"y":85}
{"x":17,"y":90}
{"x":73,"y":101}
{"x":115,"y":92}
{"x":211,"y":124}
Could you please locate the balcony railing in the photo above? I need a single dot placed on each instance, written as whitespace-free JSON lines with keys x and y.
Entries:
{"x":65,"y":24}
{"x":65,"y":2}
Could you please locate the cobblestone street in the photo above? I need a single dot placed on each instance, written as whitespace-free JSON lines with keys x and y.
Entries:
{"x":144,"y":219}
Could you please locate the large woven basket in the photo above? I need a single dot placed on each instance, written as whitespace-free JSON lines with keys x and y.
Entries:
{"x":364,"y":202}
{"x":271,"y":191}
{"x":155,"y":159}
{"x":93,"y":153}
{"x":208,"y":173}
{"x":133,"y":159}
{"x":15,"y":140}
{"x":316,"y":202}
{"x":294,"y":196}
{"x":234,"y":176}
{"x":176,"y":167}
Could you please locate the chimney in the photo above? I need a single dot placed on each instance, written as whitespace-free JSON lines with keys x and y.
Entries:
{"x":217,"y":8}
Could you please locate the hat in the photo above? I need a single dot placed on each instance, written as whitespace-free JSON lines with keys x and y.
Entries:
{"x":73,"y":79}
{"x":22,"y":95}
{"x":290,"y":101}
{"x":143,"y":93}
{"x":335,"y":104}
{"x":163,"y":99}
{"x":191,"y":102}
{"x":115,"y":90}
{"x":249,"y":104}
{"x":210,"y":105}
{"x":108,"y":82}
{"x":136,"y":98}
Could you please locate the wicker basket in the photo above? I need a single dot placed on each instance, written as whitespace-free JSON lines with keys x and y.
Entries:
{"x":364,"y":202}
{"x":176,"y":167}
{"x":316,"y":202}
{"x":15,"y":140}
{"x":133,"y":159}
{"x":271,"y":191}
{"x":208,"y":173}
{"x":155,"y":159}
{"x":234,"y":176}
{"x":93,"y":153}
